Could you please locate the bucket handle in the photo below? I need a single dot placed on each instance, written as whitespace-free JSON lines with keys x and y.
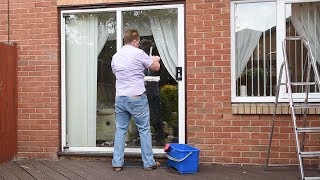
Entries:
{"x":178,"y":160}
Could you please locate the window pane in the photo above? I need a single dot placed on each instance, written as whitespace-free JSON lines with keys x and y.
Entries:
{"x":303,"y":19}
{"x":255,"y":57}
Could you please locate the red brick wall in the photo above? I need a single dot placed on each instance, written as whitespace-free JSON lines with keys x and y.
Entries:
{"x":211,"y":126}
{"x":34,"y":26}
{"x":3,"y":20}
{"x":221,"y":136}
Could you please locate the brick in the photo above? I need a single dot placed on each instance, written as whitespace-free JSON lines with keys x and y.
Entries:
{"x":241,"y":109}
{"x":253,"y":109}
{"x":259,"y":108}
{"x":212,"y":125}
{"x":247,"y":108}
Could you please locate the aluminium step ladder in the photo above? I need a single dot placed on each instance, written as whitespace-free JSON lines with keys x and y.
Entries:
{"x":294,"y":106}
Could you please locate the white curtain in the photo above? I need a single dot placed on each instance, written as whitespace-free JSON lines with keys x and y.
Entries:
{"x":246,"y":41}
{"x":165,"y":33}
{"x":140,"y":25}
{"x":81,"y":79}
{"x":104,"y":31}
{"x":306,"y":21}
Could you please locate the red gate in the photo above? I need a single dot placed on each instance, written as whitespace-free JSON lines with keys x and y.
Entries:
{"x":8,"y":101}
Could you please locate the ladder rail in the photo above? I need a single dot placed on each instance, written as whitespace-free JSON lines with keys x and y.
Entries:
{"x":305,"y":110}
{"x":293,"y":116}
{"x":273,"y":117}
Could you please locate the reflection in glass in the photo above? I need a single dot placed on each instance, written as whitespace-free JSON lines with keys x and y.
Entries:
{"x":303,"y":19}
{"x":88,"y":38}
{"x":255,"y":58}
{"x":90,"y":83}
{"x":106,"y":81}
{"x":158,"y":32}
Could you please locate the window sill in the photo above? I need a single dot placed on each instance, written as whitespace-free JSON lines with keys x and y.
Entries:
{"x":266,"y":108}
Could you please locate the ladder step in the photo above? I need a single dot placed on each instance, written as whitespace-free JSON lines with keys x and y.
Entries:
{"x":311,"y":178}
{"x":308,"y":129}
{"x":303,"y":83}
{"x":310,"y":154}
{"x":306,"y":105}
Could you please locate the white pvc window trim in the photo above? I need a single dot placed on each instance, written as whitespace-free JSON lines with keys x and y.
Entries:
{"x":283,"y":97}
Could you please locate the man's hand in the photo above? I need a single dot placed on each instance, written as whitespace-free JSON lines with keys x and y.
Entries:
{"x":155,"y":66}
{"x":155,"y":58}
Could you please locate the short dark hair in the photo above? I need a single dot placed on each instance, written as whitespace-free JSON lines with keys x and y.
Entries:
{"x":130,"y":35}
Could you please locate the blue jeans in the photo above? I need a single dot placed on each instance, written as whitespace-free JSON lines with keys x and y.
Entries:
{"x":125,"y":107}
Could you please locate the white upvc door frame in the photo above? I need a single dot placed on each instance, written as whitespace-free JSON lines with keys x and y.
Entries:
{"x":181,"y":63}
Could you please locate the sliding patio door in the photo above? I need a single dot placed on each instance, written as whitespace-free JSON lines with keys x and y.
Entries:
{"x":90,"y":39}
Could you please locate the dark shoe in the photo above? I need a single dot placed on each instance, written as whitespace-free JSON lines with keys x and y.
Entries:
{"x":117,"y":169}
{"x":155,"y":166}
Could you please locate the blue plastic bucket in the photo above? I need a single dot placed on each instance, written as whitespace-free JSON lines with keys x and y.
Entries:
{"x":183,"y":157}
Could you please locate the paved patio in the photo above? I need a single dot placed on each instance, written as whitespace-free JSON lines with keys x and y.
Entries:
{"x":101,"y":169}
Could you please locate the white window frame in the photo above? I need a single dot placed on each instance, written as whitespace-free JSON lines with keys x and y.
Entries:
{"x":281,"y":33}
{"x":181,"y":84}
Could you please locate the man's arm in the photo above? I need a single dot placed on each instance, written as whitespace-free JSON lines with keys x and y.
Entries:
{"x":155,"y":66}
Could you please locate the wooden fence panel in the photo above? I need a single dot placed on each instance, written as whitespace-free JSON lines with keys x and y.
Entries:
{"x":8,"y":101}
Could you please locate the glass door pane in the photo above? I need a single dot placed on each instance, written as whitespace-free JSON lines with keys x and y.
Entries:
{"x":106,"y":81}
{"x":89,"y":44}
{"x":158,"y":33}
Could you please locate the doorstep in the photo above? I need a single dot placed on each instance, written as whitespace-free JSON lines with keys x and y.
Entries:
{"x":107,"y":155}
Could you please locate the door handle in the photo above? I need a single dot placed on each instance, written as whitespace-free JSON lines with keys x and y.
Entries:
{"x":179,"y":73}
